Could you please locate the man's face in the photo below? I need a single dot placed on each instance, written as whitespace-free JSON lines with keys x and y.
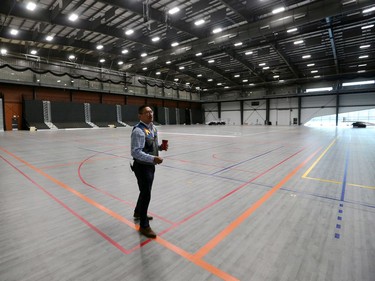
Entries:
{"x":147,"y":115}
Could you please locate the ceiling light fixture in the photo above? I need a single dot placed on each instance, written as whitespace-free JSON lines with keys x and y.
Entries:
{"x":120,"y":62}
{"x":362,"y":65}
{"x":211,"y":61}
{"x":173,"y":10}
{"x":72,"y":57}
{"x":3,"y":51}
{"x":236,"y":76}
{"x":306,"y":56}
{"x":292,"y":30}
{"x":125,"y":51}
{"x":14,"y":32}
{"x":31,"y":6}
{"x":348,"y":2}
{"x":363,"y":57}
{"x":181,"y":67}
{"x":129,"y":32}
{"x":317,"y":76}
{"x":168,"y":62}
{"x":367,"y":26}
{"x":198,"y":54}
{"x":249,"y":53}
{"x":278,"y":10}
{"x":155,"y":39}
{"x":144,"y":55}
{"x":364,"y":46}
{"x":144,"y":68}
{"x":237,"y":44}
{"x":49,"y":38}
{"x":262,"y":64}
{"x":158,"y":73}
{"x":33,"y":52}
{"x":311,"y":90}
{"x":276,"y":76}
{"x":174,"y":44}
{"x":358,"y":83}
{"x":199,"y":22}
{"x":368,"y":10}
{"x":199,"y":75}
{"x":245,"y":80}
{"x":311,"y":64}
{"x":217,"y":30}
{"x":298,"y":42}
{"x":73,"y":17}
{"x":266,"y":67}
{"x":102,"y":60}
{"x":209,"y":80}
{"x":99,"y":47}
{"x":314,"y":71}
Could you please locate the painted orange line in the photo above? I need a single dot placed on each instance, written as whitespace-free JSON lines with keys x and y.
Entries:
{"x":209,"y":267}
{"x":218,"y":238}
{"x":206,"y":266}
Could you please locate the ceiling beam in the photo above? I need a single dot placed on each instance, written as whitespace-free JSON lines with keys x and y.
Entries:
{"x":240,"y":12}
{"x":333,"y":45}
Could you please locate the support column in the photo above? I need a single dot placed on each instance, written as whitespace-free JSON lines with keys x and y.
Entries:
{"x":241,"y":111}
{"x":299,"y":110}
{"x":337,"y":108}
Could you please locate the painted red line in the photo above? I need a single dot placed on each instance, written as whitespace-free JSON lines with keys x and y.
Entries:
{"x":239,"y":220}
{"x":111,"y":195}
{"x":230,"y":193}
{"x":101,"y":233}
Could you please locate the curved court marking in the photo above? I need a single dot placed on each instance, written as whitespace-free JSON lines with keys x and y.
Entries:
{"x":204,"y":265}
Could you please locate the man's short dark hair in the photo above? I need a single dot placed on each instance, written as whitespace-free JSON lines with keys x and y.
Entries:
{"x":141,"y":108}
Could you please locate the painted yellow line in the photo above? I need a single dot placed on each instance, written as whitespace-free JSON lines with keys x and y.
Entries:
{"x":206,"y":266}
{"x":319,"y":158}
{"x":323,"y":180}
{"x":340,"y":182}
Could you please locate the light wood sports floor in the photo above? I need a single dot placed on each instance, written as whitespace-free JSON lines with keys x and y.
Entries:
{"x":229,"y":203}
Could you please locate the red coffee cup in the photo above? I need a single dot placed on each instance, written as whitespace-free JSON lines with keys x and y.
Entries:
{"x":164,"y":144}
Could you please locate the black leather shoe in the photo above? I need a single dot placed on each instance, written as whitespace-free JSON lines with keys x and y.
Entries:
{"x":137,"y":217}
{"x":148,"y":232}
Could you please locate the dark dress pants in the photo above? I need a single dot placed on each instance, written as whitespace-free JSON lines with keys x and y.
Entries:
{"x":145,"y":177}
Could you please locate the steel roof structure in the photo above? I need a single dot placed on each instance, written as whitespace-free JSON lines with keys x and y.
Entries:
{"x":214,"y":45}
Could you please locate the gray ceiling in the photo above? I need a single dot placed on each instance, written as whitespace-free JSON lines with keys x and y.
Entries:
{"x":332,"y":33}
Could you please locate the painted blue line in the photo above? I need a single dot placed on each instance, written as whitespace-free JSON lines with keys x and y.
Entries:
{"x":252,"y":158}
{"x":344,"y":179}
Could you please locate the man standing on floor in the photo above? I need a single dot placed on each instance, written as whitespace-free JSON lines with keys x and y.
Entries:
{"x":145,"y":151}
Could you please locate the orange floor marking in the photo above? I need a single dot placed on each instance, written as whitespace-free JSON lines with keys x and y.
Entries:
{"x":206,"y":266}
{"x":231,"y":227}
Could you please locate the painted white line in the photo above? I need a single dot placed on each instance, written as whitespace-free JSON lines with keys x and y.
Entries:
{"x":199,"y":135}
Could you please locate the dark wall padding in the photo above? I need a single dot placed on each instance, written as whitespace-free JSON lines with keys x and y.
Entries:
{"x":160,"y":115}
{"x":129,"y":114}
{"x":172,"y":116}
{"x":33,"y":114}
{"x":103,"y":115}
{"x":196,"y":116}
{"x":68,"y":115}
{"x":182,"y":115}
